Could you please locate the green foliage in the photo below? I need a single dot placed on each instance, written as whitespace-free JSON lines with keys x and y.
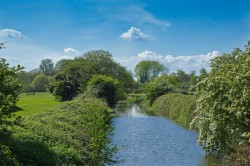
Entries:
{"x":136,"y":98}
{"x":64,"y":86}
{"x":147,"y":70}
{"x":47,"y":67}
{"x":104,"y":87}
{"x":10,"y":88}
{"x":73,"y":77}
{"x":6,"y":156}
{"x":157,"y":87}
{"x":26,"y":79}
{"x":101,"y":63}
{"x":177,"y":107}
{"x":61,"y":64}
{"x":222,"y":114}
{"x":75,"y":133}
{"x":41,"y":82}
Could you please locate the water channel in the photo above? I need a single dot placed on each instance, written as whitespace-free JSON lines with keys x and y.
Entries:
{"x":155,"y":141}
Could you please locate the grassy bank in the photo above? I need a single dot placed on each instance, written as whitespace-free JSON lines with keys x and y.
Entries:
{"x":177,"y":107}
{"x":73,"y":133}
{"x":35,"y":104}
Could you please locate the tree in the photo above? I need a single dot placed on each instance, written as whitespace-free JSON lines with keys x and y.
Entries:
{"x":104,"y":87}
{"x":64,"y":87}
{"x":147,"y":70}
{"x":41,"y":82}
{"x":60,"y":64}
{"x":203,"y":74}
{"x":10,"y":88}
{"x":222,"y":115}
{"x":47,"y":67}
{"x":157,"y":87}
{"x":100,"y":62}
{"x":26,"y":79}
{"x":80,"y":70}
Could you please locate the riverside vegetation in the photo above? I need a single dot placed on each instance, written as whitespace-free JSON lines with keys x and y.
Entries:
{"x":214,"y":103}
{"x":73,"y":133}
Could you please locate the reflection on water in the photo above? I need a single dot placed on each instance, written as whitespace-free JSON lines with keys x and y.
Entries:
{"x":155,"y":141}
{"x":129,"y":110}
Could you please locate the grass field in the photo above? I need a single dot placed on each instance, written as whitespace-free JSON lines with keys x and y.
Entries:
{"x":34,"y":104}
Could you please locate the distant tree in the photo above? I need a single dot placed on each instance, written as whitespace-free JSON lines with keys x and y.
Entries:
{"x":104,"y":87}
{"x":41,"y":82}
{"x":203,"y":74}
{"x":147,"y":70}
{"x":47,"y":67}
{"x":10,"y":88}
{"x":35,"y":71}
{"x":183,"y":81}
{"x":26,"y":79}
{"x":61,"y":63}
{"x":193,"y":79}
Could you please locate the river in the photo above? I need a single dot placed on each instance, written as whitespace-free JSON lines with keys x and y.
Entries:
{"x":155,"y":141}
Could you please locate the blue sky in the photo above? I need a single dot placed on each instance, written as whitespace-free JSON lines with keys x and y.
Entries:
{"x":182,"y":34}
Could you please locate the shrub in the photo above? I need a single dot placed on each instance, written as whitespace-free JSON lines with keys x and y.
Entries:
{"x":104,"y":87}
{"x":157,"y":87}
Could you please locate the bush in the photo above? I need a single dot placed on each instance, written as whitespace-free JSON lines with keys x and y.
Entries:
{"x":104,"y":87}
{"x":157,"y":87}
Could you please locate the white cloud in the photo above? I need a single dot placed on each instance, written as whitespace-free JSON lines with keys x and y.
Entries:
{"x":70,"y":50}
{"x":187,"y":63}
{"x":135,"y":34}
{"x":4,"y":33}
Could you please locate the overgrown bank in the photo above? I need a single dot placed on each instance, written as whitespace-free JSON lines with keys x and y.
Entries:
{"x":177,"y":107}
{"x":74,"y":133}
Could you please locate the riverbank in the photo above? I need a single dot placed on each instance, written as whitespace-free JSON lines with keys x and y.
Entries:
{"x":73,"y":133}
{"x":175,"y":106}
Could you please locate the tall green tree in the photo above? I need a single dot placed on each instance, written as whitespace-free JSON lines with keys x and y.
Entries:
{"x":60,"y":64}
{"x":222,"y":115}
{"x":147,"y":70}
{"x":80,"y":70}
{"x":10,"y":88}
{"x":47,"y":67}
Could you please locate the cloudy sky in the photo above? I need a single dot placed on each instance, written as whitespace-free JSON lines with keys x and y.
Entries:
{"x":182,"y":34}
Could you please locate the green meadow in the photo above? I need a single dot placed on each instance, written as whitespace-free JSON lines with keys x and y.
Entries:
{"x":35,"y":104}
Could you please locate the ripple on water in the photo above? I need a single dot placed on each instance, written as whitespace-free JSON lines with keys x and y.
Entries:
{"x":149,"y":141}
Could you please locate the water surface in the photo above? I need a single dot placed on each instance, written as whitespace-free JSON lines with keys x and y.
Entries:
{"x":155,"y":141}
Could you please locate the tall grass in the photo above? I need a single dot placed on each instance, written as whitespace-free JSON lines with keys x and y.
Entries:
{"x":177,"y":107}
